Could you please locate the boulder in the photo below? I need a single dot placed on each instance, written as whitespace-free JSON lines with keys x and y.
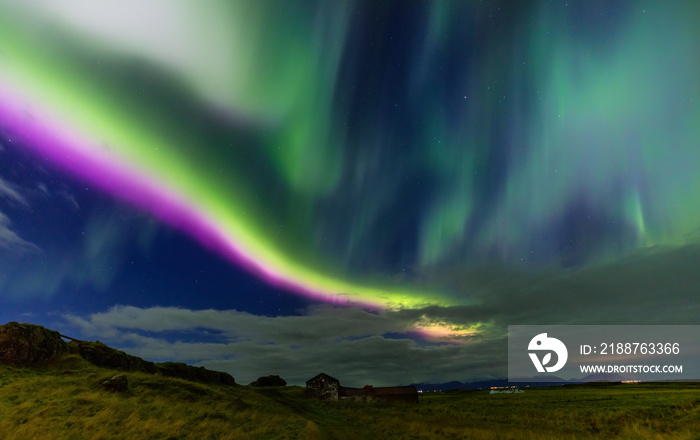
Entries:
{"x":117,"y":384}
{"x":269,"y":381}
{"x":29,"y":344}
{"x":238,"y":404}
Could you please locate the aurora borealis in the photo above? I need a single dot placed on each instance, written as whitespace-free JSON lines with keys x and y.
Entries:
{"x":433,"y":170}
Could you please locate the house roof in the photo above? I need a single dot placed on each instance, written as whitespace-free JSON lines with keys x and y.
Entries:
{"x":323,"y":376}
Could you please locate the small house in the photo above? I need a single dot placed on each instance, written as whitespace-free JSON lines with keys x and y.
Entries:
{"x":323,"y":386}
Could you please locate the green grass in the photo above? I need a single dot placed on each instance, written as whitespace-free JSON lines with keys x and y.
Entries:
{"x":64,"y":400}
{"x":621,"y":411}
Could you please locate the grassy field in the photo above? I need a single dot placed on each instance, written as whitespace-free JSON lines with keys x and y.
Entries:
{"x":65,"y":401}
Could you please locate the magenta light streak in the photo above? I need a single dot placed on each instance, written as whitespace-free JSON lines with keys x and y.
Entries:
{"x":53,"y":139}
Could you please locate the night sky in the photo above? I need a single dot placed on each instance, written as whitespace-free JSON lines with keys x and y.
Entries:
{"x":375,"y":190}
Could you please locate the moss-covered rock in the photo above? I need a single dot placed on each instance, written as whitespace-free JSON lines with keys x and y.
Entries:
{"x":29,"y":345}
{"x":117,"y":384}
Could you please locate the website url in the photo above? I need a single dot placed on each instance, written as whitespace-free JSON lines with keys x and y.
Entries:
{"x":660,"y":369}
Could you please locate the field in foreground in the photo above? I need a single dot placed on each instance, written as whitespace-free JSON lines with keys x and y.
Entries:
{"x":64,"y":400}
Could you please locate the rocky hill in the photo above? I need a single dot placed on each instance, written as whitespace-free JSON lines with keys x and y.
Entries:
{"x":26,"y":345}
{"x":269,"y":381}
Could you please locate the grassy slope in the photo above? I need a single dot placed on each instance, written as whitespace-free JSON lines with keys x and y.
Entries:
{"x":64,"y":401}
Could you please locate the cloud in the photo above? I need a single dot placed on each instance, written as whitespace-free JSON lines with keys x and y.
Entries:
{"x":69,"y":197}
{"x":12,"y":192}
{"x":236,"y":325}
{"x":61,"y":190}
{"x":374,"y":360}
{"x":355,"y":345}
{"x":11,"y":242}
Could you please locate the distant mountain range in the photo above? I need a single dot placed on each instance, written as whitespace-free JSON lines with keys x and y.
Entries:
{"x":522,"y":382}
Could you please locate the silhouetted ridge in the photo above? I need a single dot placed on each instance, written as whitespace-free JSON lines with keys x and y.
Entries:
{"x":32,"y":345}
